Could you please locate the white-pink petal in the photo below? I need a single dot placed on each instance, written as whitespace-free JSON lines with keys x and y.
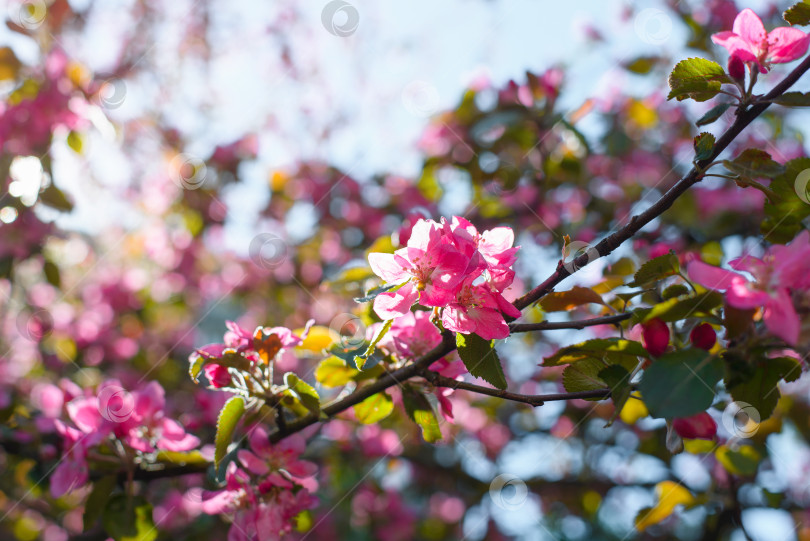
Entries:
{"x":749,"y":26}
{"x":386,"y":267}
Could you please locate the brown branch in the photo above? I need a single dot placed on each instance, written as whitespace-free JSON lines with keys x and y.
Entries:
{"x":533,"y":400}
{"x":611,"y":242}
{"x":556,"y":325}
{"x":603,"y":248}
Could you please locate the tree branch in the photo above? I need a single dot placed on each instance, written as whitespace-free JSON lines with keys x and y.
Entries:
{"x":556,"y":325}
{"x":613,"y":241}
{"x":533,"y":400}
{"x":603,"y":248}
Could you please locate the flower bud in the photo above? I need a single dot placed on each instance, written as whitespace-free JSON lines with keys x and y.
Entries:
{"x":700,"y":426}
{"x":655,"y":337}
{"x":736,"y":68}
{"x":217,"y":375}
{"x":703,"y":336}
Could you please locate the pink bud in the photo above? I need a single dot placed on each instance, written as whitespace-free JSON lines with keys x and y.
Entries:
{"x":655,"y":337}
{"x":217,"y":375}
{"x":736,"y":68}
{"x":700,"y":426}
{"x":703,"y":336}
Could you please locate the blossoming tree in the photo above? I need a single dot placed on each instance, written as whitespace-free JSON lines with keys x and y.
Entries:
{"x":398,"y":373}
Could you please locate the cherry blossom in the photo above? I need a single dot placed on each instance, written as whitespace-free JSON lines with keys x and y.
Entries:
{"x":749,"y":42}
{"x":783,"y":270}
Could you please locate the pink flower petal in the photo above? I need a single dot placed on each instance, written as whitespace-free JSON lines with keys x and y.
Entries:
{"x":710,"y":276}
{"x":302,"y":468}
{"x":253,"y":463}
{"x":786,"y":44}
{"x":740,"y":295}
{"x":436,"y":296}
{"x":506,"y":307}
{"x":735,"y":45}
{"x":455,"y":319}
{"x":260,"y":442}
{"x":489,"y":323}
{"x":150,"y":400}
{"x":386,"y":267}
{"x":749,"y":27}
{"x":186,"y":442}
{"x":397,"y":303}
{"x":781,"y":319}
{"x":220,"y":502}
{"x":70,"y":474}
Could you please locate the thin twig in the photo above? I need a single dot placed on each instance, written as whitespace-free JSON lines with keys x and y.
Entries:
{"x":579,"y":325}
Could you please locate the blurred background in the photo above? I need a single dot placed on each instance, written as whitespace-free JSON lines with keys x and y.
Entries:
{"x":169,"y":166}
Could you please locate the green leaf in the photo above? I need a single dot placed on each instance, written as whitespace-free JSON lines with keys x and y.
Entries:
{"x":51,"y":272}
{"x":305,"y":392}
{"x":182,"y":458}
{"x":566,"y":300}
{"x":793,"y":99}
{"x":783,"y":218}
{"x":373,"y":409}
{"x":229,"y":417}
{"x":360,"y":360}
{"x":704,"y":145}
{"x":741,"y":461}
{"x":372,"y":293}
{"x":94,"y":504}
{"x":55,"y":198}
{"x":656,"y":269}
{"x":696,"y":78}
{"x":754,"y":163}
{"x":642,"y":64}
{"x":713,"y":114}
{"x":618,"y":379}
{"x":195,"y":366}
{"x":481,"y":359}
{"x":675,"y":290}
{"x":583,"y":375}
{"x":597,"y":348}
{"x":798,"y":14}
{"x":334,"y":372}
{"x":680,"y":383}
{"x":680,"y":308}
{"x":129,"y":520}
{"x":761,"y":390}
{"x":419,"y":410}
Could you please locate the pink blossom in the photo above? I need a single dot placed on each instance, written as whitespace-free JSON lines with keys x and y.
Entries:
{"x":414,"y":334}
{"x":454,"y":267}
{"x":428,"y":269}
{"x":266,"y":496}
{"x":217,"y":375}
{"x":783,"y":269}
{"x":147,"y":427}
{"x":72,"y":471}
{"x":749,"y":42}
{"x":477,"y":309}
{"x":279,"y":462}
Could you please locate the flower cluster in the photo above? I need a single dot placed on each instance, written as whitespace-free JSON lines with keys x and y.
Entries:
{"x":268,"y":487}
{"x":244,"y":352}
{"x":450,"y":265}
{"x":784,"y":272}
{"x":137,"y":420}
{"x":749,"y":43}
